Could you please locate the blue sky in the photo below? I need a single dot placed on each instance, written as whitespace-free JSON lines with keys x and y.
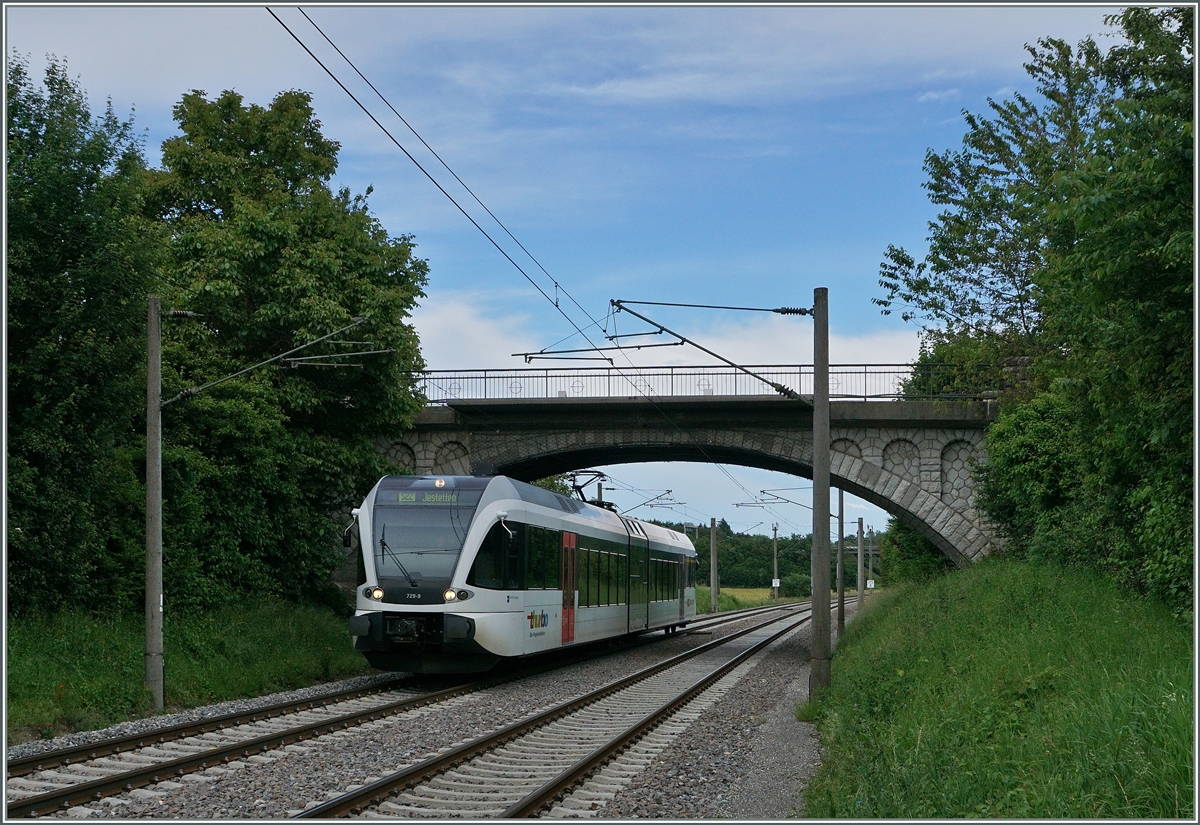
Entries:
{"x":704,"y":154}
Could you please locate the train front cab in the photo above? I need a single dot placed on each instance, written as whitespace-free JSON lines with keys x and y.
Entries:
{"x":529,"y":588}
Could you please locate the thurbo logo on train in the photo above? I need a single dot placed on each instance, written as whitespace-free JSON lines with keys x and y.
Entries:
{"x":538,"y":620}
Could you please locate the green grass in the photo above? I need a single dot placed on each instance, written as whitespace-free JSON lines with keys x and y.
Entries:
{"x":77,"y":671}
{"x":1009,"y":690}
{"x":733,"y":598}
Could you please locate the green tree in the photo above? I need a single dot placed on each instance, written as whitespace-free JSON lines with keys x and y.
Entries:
{"x":907,"y":556}
{"x":974,"y":293}
{"x":77,"y":269}
{"x":556,"y":484}
{"x":1118,"y":296}
{"x":1068,"y":242}
{"x":1034,"y":469}
{"x":272,"y":258}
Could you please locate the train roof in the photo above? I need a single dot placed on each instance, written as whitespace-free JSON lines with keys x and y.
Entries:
{"x":502,"y":487}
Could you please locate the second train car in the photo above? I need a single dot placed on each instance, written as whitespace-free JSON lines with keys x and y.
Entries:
{"x":456,"y":573}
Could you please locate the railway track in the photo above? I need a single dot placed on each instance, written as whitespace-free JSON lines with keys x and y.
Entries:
{"x":59,"y":779}
{"x":526,"y":766}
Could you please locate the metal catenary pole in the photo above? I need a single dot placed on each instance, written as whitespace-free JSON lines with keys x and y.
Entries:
{"x":841,"y":585}
{"x":774,"y":562}
{"x":712,"y":564}
{"x":870,"y":564}
{"x":818,"y":677}
{"x":860,"y":585}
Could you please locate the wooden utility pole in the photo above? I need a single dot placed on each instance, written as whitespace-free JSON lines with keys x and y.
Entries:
{"x":154,"y":594}
{"x":818,"y":675}
{"x":712,"y":564}
{"x":154,"y":406}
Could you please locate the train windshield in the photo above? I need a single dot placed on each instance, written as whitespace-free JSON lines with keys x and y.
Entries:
{"x":421,"y":540}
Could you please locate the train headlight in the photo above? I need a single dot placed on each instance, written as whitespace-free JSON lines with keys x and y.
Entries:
{"x":464,"y":594}
{"x":450,"y":595}
{"x":375,"y":593}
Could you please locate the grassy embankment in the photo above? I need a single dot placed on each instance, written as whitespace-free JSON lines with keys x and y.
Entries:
{"x":1008,"y":690}
{"x":78,"y":672}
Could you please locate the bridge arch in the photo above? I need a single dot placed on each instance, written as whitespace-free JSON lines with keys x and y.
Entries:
{"x":915,"y":463}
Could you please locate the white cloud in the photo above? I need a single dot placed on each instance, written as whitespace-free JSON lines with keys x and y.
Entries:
{"x":938,"y":96}
{"x":458,"y":333}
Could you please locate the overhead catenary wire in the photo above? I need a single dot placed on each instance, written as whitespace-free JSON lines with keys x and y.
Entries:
{"x":417,"y":163}
{"x":557,"y":286}
{"x":476,"y":224}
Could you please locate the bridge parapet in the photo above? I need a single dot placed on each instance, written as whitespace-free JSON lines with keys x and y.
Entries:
{"x":862,"y":382}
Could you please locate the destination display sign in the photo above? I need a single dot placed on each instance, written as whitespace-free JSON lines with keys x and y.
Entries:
{"x":448,"y":497}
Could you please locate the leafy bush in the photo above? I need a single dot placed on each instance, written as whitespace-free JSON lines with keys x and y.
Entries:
{"x":795,"y":586}
{"x":907,"y":556}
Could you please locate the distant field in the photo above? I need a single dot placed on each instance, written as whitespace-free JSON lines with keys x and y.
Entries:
{"x":749,"y":594}
{"x":734,"y":598}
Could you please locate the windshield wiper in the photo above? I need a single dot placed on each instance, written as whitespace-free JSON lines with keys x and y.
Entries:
{"x":384,"y":545}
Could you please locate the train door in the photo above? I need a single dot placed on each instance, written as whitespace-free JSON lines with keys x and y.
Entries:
{"x":567,"y":578}
{"x":681,"y":582}
{"x":639,"y":583}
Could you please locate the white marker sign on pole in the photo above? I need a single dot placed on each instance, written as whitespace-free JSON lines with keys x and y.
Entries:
{"x":870,"y":584}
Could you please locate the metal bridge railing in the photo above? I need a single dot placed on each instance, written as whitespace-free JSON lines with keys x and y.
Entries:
{"x":863,"y":382}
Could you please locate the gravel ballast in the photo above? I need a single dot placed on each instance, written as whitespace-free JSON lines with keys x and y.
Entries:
{"x":745,"y":757}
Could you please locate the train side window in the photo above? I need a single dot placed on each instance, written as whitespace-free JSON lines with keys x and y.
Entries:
{"x":488,"y":569}
{"x":539,"y":558}
{"x":581,"y":563}
{"x":551,"y":571}
{"x":610,"y":579}
{"x":593,"y":567}
{"x":622,"y":578}
{"x":513,"y":578}
{"x":594,"y":578}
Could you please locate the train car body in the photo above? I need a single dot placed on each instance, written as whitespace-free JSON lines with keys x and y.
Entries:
{"x":457,"y":573}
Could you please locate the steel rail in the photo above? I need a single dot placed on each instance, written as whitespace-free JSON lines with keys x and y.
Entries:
{"x":87,"y":791}
{"x":549,"y":792}
{"x":713,"y":619}
{"x":138,"y":777}
{"x":213,"y":757}
{"x":46,"y":760}
{"x":355,"y":801}
{"x":61,"y":757}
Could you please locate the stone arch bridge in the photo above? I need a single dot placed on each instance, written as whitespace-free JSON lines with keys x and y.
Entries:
{"x":911,"y":458}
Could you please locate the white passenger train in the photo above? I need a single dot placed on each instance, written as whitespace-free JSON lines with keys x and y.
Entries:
{"x":456,"y":573}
